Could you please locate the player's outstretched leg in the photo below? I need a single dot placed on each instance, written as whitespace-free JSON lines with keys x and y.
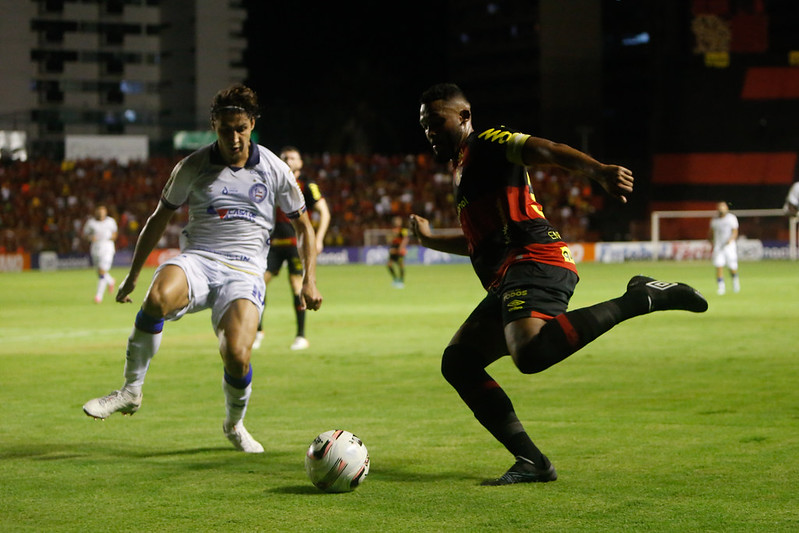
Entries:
{"x":569,"y":332}
{"x":666,"y":295}
{"x":524,"y":471}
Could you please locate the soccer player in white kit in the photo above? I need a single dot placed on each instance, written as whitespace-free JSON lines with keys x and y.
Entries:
{"x":791,"y":206}
{"x":724,"y":233}
{"x":101,"y":231}
{"x":232,"y":188}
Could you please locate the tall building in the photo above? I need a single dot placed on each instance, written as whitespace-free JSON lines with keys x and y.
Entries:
{"x":145,"y":67}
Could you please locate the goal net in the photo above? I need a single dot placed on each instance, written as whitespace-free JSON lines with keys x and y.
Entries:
{"x":755,"y":225}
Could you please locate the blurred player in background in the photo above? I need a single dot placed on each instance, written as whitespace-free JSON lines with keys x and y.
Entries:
{"x":723,"y":235}
{"x":524,"y":265}
{"x":791,"y":206}
{"x":232,"y":188}
{"x":101,"y":231}
{"x":284,"y":246}
{"x":397,"y":249}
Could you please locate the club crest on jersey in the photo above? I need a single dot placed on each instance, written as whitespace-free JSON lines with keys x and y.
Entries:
{"x":258,"y":193}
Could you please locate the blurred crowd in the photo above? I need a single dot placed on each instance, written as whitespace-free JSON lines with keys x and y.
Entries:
{"x":44,"y":204}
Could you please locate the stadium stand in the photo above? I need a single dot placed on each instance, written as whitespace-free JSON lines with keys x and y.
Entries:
{"x":44,"y":203}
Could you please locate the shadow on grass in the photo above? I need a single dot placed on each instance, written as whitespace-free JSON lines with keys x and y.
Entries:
{"x":386,"y":476}
{"x":84,"y":451}
{"x":306,"y":490}
{"x":387,"y":473}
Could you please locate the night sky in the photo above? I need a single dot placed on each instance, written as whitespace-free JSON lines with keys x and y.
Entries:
{"x":342,"y":76}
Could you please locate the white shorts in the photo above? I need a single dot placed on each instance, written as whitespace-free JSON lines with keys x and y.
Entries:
{"x":103,"y":256}
{"x":726,"y":256}
{"x":214,"y":285}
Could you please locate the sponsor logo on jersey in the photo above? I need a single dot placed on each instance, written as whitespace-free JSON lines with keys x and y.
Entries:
{"x":462,"y":204}
{"x":258,"y":193}
{"x":514,"y":293}
{"x":567,"y":254}
{"x":497,"y":136}
{"x":231,"y":214}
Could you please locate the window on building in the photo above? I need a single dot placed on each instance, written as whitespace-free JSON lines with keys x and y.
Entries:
{"x":53,"y":6}
{"x":113,"y":36}
{"x":113,"y":65}
{"x":114,"y":7}
{"x":113,"y":96}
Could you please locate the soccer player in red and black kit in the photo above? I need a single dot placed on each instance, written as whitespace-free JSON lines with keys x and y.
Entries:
{"x":524,"y":265}
{"x":397,"y":249}
{"x":284,"y":245}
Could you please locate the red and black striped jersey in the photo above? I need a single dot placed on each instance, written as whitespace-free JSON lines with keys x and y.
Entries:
{"x":397,"y":239}
{"x":283,"y":233}
{"x":499,"y":214}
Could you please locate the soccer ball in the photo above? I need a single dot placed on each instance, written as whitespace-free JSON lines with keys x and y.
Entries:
{"x":337,"y":461}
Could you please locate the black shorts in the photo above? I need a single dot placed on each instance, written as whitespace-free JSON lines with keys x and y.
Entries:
{"x":280,"y":254}
{"x":530,"y":289}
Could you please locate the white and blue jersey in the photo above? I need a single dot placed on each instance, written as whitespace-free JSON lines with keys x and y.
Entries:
{"x":231,"y":209}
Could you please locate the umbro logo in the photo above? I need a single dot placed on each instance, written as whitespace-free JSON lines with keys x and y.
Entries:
{"x":514,"y":305}
{"x":661,"y":285}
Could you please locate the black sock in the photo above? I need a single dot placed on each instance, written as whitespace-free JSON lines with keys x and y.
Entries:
{"x":567,"y":333}
{"x":300,"y":312}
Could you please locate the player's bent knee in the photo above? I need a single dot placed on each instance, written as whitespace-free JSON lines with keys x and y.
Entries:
{"x":155,"y":305}
{"x":459,"y":364}
{"x":235,"y":355}
{"x":237,"y":365}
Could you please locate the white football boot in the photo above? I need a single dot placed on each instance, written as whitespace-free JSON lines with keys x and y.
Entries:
{"x":242,"y":439}
{"x":123,"y":401}
{"x":300,"y":343}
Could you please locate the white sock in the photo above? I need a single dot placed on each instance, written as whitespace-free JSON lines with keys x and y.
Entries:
{"x":142,"y":347}
{"x":101,"y":284}
{"x":236,"y":401}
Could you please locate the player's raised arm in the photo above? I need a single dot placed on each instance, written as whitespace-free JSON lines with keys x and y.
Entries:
{"x":616,"y":180}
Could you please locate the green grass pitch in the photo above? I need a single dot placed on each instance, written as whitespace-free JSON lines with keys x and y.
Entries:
{"x":670,"y":422}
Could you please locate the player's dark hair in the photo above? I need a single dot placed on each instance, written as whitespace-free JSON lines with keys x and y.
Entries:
{"x":442,"y":91}
{"x":289,"y":148}
{"x":236,"y":98}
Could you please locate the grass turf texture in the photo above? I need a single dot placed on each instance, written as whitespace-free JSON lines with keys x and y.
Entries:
{"x":670,"y":422}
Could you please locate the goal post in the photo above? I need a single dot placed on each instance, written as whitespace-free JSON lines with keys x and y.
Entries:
{"x":658,"y":216}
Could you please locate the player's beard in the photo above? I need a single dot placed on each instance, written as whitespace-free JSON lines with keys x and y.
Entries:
{"x":442,"y":153}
